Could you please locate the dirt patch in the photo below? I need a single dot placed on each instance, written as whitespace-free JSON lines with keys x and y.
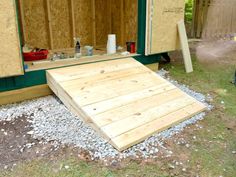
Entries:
{"x":17,"y":146}
{"x":217,"y":52}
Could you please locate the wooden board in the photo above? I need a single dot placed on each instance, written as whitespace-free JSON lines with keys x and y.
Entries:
{"x":29,"y":93}
{"x":122,"y":99}
{"x":185,"y":47}
{"x":161,"y":28}
{"x":10,"y":55}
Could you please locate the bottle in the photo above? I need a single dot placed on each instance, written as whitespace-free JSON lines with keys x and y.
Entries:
{"x":77,"y":48}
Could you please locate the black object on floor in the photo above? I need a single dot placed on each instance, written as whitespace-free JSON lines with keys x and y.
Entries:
{"x":166,"y":57}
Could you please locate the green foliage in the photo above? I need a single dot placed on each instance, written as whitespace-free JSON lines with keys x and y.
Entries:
{"x":188,"y":10}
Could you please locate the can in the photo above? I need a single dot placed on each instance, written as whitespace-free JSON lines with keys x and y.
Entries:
{"x":131,"y":47}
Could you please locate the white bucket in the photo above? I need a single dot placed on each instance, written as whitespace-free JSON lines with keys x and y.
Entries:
{"x":111,"y":44}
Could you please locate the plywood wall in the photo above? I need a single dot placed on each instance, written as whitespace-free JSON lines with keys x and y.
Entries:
{"x":35,"y":23}
{"x":130,"y":20}
{"x":54,"y":23}
{"x":83,"y":21}
{"x":61,"y":23}
{"x":162,"y":31}
{"x":116,"y":20}
{"x":10,"y":57}
{"x":102,"y":26}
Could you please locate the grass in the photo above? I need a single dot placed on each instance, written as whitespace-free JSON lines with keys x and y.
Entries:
{"x":210,"y":154}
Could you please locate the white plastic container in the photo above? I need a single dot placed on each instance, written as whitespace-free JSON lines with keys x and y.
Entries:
{"x":111,"y":44}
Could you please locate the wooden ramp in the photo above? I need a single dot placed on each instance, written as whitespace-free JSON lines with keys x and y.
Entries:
{"x":122,"y":99}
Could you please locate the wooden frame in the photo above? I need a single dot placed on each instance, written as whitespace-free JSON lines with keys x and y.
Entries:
{"x":89,"y":27}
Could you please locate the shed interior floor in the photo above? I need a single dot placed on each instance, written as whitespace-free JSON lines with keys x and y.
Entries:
{"x":99,"y":55}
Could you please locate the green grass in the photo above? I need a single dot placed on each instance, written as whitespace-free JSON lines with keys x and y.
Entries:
{"x":209,"y":155}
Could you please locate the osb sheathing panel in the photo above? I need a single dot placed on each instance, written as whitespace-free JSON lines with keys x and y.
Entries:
{"x":61,"y":23}
{"x":102,"y":28}
{"x":130,"y":20}
{"x":35,"y":24}
{"x":10,"y":58}
{"x":83,"y":21}
{"x":162,"y":28}
{"x":108,"y":15}
{"x":116,"y":19}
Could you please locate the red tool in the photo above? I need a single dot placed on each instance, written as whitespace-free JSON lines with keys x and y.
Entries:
{"x":35,"y":54}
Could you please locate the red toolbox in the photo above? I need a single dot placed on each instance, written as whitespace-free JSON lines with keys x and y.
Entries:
{"x":36,"y":55}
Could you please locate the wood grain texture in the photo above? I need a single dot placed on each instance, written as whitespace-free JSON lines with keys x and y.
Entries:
{"x":163,"y":16}
{"x":35,"y":24}
{"x":122,"y":99}
{"x":61,"y":23}
{"x":24,"y":94}
{"x":116,"y":20}
{"x":83,"y":21}
{"x":130,"y":20}
{"x":10,"y":55}
{"x":101,"y":22}
{"x":185,"y":47}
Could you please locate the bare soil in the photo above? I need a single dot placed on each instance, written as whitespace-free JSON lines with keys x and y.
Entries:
{"x":221,"y":52}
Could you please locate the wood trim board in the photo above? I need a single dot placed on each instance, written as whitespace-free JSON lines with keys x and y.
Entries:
{"x":29,"y":93}
{"x":185,"y":47}
{"x":122,"y":99}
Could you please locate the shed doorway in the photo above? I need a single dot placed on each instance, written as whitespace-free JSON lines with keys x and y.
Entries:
{"x":53,"y":25}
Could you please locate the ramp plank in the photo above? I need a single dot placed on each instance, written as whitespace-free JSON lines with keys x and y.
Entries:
{"x":134,"y":108}
{"x":136,"y":135}
{"x":119,"y":101}
{"x":122,"y":100}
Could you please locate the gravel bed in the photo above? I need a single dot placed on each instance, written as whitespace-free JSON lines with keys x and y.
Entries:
{"x":51,"y":121}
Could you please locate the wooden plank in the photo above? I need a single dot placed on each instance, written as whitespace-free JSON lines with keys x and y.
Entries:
{"x":10,"y":53}
{"x":185,"y":47}
{"x":119,"y":101}
{"x":154,"y":67}
{"x":134,"y":136}
{"x":112,"y":77}
{"x":148,"y":27}
{"x":99,"y":78}
{"x":70,"y":62}
{"x":136,"y":106}
{"x":29,"y":93}
{"x":50,"y":25}
{"x":110,"y":90}
{"x":75,"y":72}
{"x":117,"y":128}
